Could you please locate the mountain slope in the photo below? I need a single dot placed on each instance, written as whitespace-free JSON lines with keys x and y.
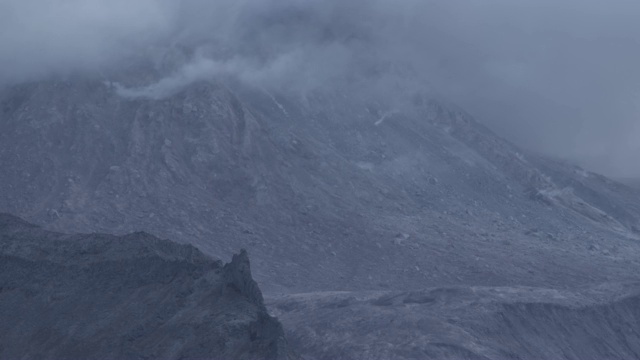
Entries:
{"x":130,"y":297}
{"x":330,"y":190}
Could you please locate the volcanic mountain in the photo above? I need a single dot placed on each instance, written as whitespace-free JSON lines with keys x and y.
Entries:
{"x":366,"y":216}
{"x":329,"y":190}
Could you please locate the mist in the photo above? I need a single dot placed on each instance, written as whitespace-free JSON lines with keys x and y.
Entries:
{"x":558,"y":77}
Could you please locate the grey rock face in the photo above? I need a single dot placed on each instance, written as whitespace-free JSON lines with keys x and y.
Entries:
{"x":310,"y":183}
{"x":330,"y":191}
{"x":237,"y":275}
{"x":131,"y":297}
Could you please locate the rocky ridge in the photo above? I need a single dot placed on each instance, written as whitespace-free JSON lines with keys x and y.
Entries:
{"x":128,"y":297}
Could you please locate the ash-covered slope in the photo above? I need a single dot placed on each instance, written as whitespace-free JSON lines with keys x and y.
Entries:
{"x":331,"y":189}
{"x":131,"y":297}
{"x":501,"y":323}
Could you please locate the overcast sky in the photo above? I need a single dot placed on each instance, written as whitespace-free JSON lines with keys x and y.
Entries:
{"x":557,"y":76}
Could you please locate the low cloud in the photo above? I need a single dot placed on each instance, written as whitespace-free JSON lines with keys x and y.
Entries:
{"x":43,"y":37}
{"x":556,"y":76}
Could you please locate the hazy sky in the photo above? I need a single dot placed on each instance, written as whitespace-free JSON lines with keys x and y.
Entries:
{"x":557,"y":76}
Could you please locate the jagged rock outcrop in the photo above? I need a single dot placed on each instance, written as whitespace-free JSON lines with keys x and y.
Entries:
{"x":99,"y":296}
{"x":237,"y":275}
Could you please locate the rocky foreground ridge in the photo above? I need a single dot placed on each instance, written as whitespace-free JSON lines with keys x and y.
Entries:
{"x":129,"y":297}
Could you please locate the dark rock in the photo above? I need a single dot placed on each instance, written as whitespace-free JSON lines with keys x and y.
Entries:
{"x":237,"y":275}
{"x":106,"y":297}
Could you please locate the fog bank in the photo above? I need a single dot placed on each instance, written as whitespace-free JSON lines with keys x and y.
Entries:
{"x":555,"y":76}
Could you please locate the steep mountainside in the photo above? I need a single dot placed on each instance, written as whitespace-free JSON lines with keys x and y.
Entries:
{"x":98,"y":296}
{"x":330,"y":190}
